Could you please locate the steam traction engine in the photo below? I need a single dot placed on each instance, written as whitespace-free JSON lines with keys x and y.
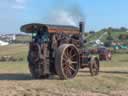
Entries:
{"x":58,"y":50}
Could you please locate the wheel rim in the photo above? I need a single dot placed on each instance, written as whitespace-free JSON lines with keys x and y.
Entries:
{"x":70,"y":62}
{"x":67,"y":61}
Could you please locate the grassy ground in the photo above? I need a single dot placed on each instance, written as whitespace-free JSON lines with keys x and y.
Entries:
{"x":25,"y":38}
{"x":15,"y":78}
{"x":18,"y":51}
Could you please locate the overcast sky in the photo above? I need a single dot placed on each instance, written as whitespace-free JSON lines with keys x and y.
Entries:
{"x":97,"y":13}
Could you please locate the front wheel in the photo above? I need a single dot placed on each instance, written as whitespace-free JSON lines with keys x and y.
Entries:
{"x":94,"y":66}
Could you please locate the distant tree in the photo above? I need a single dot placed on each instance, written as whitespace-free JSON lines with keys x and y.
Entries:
{"x":104,"y":29}
{"x":109,"y":34}
{"x":123,"y":37}
{"x":110,"y":29}
{"x":107,"y":43}
{"x":85,"y":34}
{"x":110,"y":38}
{"x":92,"y":32}
{"x":123,"y":29}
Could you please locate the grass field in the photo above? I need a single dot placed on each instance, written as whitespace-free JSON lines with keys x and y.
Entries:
{"x":15,"y":79}
{"x":24,"y":38}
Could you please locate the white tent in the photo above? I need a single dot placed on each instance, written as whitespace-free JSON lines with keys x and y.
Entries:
{"x":2,"y":43}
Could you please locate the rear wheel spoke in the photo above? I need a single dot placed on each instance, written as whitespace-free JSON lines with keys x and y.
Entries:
{"x":73,"y":56}
{"x":71,"y":52}
{"x":74,"y":62}
{"x":68,"y":71}
{"x":73,"y":69}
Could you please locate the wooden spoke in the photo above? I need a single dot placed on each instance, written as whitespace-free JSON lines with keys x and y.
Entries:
{"x":73,"y":69}
{"x":74,"y":62}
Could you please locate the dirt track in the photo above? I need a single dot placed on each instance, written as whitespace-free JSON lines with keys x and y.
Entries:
{"x":14,"y":88}
{"x":23,"y":85}
{"x":35,"y":88}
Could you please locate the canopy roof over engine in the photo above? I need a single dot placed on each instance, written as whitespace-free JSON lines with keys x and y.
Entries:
{"x":35,"y":27}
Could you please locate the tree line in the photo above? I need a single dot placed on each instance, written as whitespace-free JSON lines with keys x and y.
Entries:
{"x":110,"y":29}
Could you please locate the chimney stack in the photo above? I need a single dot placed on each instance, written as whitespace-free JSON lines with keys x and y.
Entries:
{"x":81,"y":25}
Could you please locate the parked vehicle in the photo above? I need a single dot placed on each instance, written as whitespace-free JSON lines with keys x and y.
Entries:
{"x":104,"y":54}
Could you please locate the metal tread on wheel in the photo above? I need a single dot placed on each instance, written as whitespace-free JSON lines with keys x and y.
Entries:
{"x":67,"y":61}
{"x":33,"y":59}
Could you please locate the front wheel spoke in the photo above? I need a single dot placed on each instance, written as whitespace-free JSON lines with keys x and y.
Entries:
{"x":94,"y":70}
{"x":95,"y":66}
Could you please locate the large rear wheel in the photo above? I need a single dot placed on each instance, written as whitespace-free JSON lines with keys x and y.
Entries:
{"x":67,"y":61}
